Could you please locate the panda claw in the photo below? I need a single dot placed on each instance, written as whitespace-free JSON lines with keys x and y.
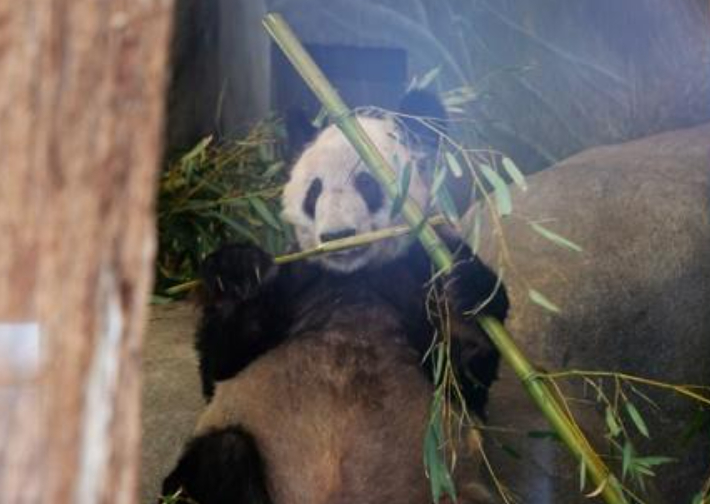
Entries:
{"x":236,"y":272}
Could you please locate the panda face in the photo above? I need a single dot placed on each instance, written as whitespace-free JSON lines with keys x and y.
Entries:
{"x":331,"y":194}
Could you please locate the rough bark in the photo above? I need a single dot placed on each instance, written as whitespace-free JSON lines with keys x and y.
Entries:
{"x":81,"y":99}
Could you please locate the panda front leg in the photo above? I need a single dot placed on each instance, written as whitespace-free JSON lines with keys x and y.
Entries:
{"x":475,"y":289}
{"x":244,"y":312}
{"x":220,"y":467}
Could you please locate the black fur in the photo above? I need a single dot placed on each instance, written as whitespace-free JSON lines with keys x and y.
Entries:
{"x":299,"y":130}
{"x":312,"y":195}
{"x":425,"y":105}
{"x":254,"y":305}
{"x":221,"y":467}
{"x":244,"y":313}
{"x":370,"y":191}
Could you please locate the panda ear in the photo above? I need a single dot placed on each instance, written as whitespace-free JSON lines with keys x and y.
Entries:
{"x":428,"y":105}
{"x":300,"y":132}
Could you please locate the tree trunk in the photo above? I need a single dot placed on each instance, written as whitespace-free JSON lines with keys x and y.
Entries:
{"x":81,"y":100}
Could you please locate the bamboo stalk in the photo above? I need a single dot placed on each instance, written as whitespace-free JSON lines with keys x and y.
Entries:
{"x":354,"y":241}
{"x":353,"y":131}
{"x":183,"y":287}
{"x":360,"y":240}
{"x":609,"y":487}
{"x":565,"y":427}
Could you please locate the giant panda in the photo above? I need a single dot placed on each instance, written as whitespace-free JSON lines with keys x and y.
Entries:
{"x":316,"y":373}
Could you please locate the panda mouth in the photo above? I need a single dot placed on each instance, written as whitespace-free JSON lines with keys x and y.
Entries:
{"x":347,"y":260}
{"x":348,"y":254}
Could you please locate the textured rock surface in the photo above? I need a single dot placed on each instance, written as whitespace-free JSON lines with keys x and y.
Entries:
{"x":636,"y":300}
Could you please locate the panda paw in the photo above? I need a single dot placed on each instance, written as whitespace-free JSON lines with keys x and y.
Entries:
{"x":236,"y":272}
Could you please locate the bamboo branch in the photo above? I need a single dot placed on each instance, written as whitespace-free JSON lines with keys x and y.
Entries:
{"x":183,"y":287}
{"x":681,"y":389}
{"x":566,"y":428}
{"x":360,"y":240}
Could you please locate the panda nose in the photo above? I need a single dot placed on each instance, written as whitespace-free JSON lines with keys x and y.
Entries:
{"x":337,"y":235}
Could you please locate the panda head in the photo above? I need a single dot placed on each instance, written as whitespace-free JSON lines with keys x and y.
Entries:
{"x":331,"y":194}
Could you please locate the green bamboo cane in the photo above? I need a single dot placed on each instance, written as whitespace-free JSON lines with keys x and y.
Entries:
{"x":544,"y":398}
{"x":343,"y":118}
{"x":566,"y":428}
{"x":359,"y":240}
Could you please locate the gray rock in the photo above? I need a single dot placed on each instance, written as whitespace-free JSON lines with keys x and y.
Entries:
{"x":636,"y":300}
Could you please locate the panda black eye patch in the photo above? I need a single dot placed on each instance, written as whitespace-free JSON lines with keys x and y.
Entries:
{"x":309,"y":204}
{"x":370,"y":191}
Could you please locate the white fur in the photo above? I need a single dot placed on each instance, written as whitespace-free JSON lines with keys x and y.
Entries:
{"x":332,"y":159}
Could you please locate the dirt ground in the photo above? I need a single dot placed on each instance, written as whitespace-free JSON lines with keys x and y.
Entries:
{"x":171,"y":392}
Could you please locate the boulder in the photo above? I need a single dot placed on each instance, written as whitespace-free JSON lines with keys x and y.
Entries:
{"x":635,"y":300}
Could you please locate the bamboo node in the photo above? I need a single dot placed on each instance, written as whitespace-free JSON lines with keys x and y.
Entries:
{"x":531,"y":376}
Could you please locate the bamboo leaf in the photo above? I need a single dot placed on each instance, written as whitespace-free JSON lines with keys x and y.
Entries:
{"x":455,"y":98}
{"x":637,"y":419}
{"x":453,"y":164}
{"x":236,"y":226}
{"x":439,"y":363}
{"x":555,"y":238}
{"x":654,"y":460}
{"x":319,"y":120}
{"x":413,"y":84}
{"x":439,"y":476}
{"x":544,"y":434}
{"x":155,"y":299}
{"x":263,"y":211}
{"x":274,"y":170}
{"x":539,"y":299}
{"x":511,"y":451}
{"x":473,"y":237}
{"x":515,"y":174}
{"x":640,"y":469}
{"x":446,"y":204}
{"x":500,"y":188}
{"x":402,"y":191}
{"x":428,"y":78}
{"x":627,"y":457}
{"x":266,"y":152}
{"x":698,"y":498}
{"x":611,"y":423}
{"x":196,"y":150}
{"x":439,"y":178}
{"x":453,"y":109}
{"x":598,"y":491}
